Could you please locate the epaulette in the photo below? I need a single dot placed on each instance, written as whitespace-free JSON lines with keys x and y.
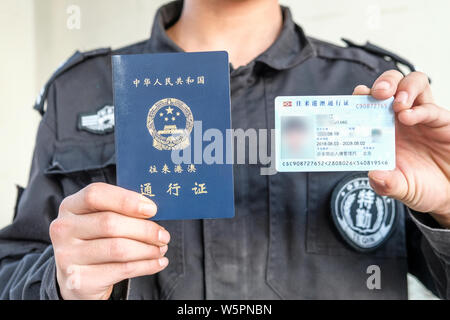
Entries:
{"x":75,"y":59}
{"x":373,"y":49}
{"x":334,"y":52}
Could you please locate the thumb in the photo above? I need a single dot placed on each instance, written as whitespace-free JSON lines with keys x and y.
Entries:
{"x":389,"y":183}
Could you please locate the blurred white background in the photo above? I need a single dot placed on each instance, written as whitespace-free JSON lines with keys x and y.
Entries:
{"x":36,"y":36}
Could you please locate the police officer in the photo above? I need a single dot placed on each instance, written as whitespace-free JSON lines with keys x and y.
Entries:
{"x":77,"y":236}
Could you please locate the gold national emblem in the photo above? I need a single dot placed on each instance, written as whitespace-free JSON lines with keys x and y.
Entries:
{"x":170,"y":123}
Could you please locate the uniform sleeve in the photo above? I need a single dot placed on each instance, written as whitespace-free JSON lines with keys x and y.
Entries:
{"x":27,"y":267}
{"x":429,"y":253}
{"x":428,"y":244}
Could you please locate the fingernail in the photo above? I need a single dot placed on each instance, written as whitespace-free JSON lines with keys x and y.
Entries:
{"x":147,"y":208}
{"x":379,"y":177}
{"x":379,"y":183}
{"x":382,"y":85}
{"x":163,"y":261}
{"x":361,"y":88}
{"x":402,"y":97}
{"x":163,"y":236}
{"x":163,"y":249}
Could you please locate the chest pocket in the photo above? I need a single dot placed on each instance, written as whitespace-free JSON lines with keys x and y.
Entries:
{"x":76,"y":165}
{"x":322,"y":236}
{"x":306,"y":250}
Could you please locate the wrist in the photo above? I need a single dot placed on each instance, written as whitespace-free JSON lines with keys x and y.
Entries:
{"x":442,"y":218}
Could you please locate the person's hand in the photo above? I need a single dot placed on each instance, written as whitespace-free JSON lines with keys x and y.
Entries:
{"x":421,"y":179}
{"x":101,"y":237}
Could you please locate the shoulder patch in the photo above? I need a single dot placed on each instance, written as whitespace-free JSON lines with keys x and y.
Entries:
{"x":75,"y":59}
{"x":98,"y":122}
{"x":364,"y":219}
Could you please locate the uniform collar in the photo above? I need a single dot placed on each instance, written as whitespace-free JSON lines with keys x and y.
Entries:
{"x":289,"y":49}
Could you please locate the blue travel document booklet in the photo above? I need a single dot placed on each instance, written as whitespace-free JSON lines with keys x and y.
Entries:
{"x":163,"y":104}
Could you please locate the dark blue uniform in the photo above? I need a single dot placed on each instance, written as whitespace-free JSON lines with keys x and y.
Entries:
{"x":281,"y":244}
